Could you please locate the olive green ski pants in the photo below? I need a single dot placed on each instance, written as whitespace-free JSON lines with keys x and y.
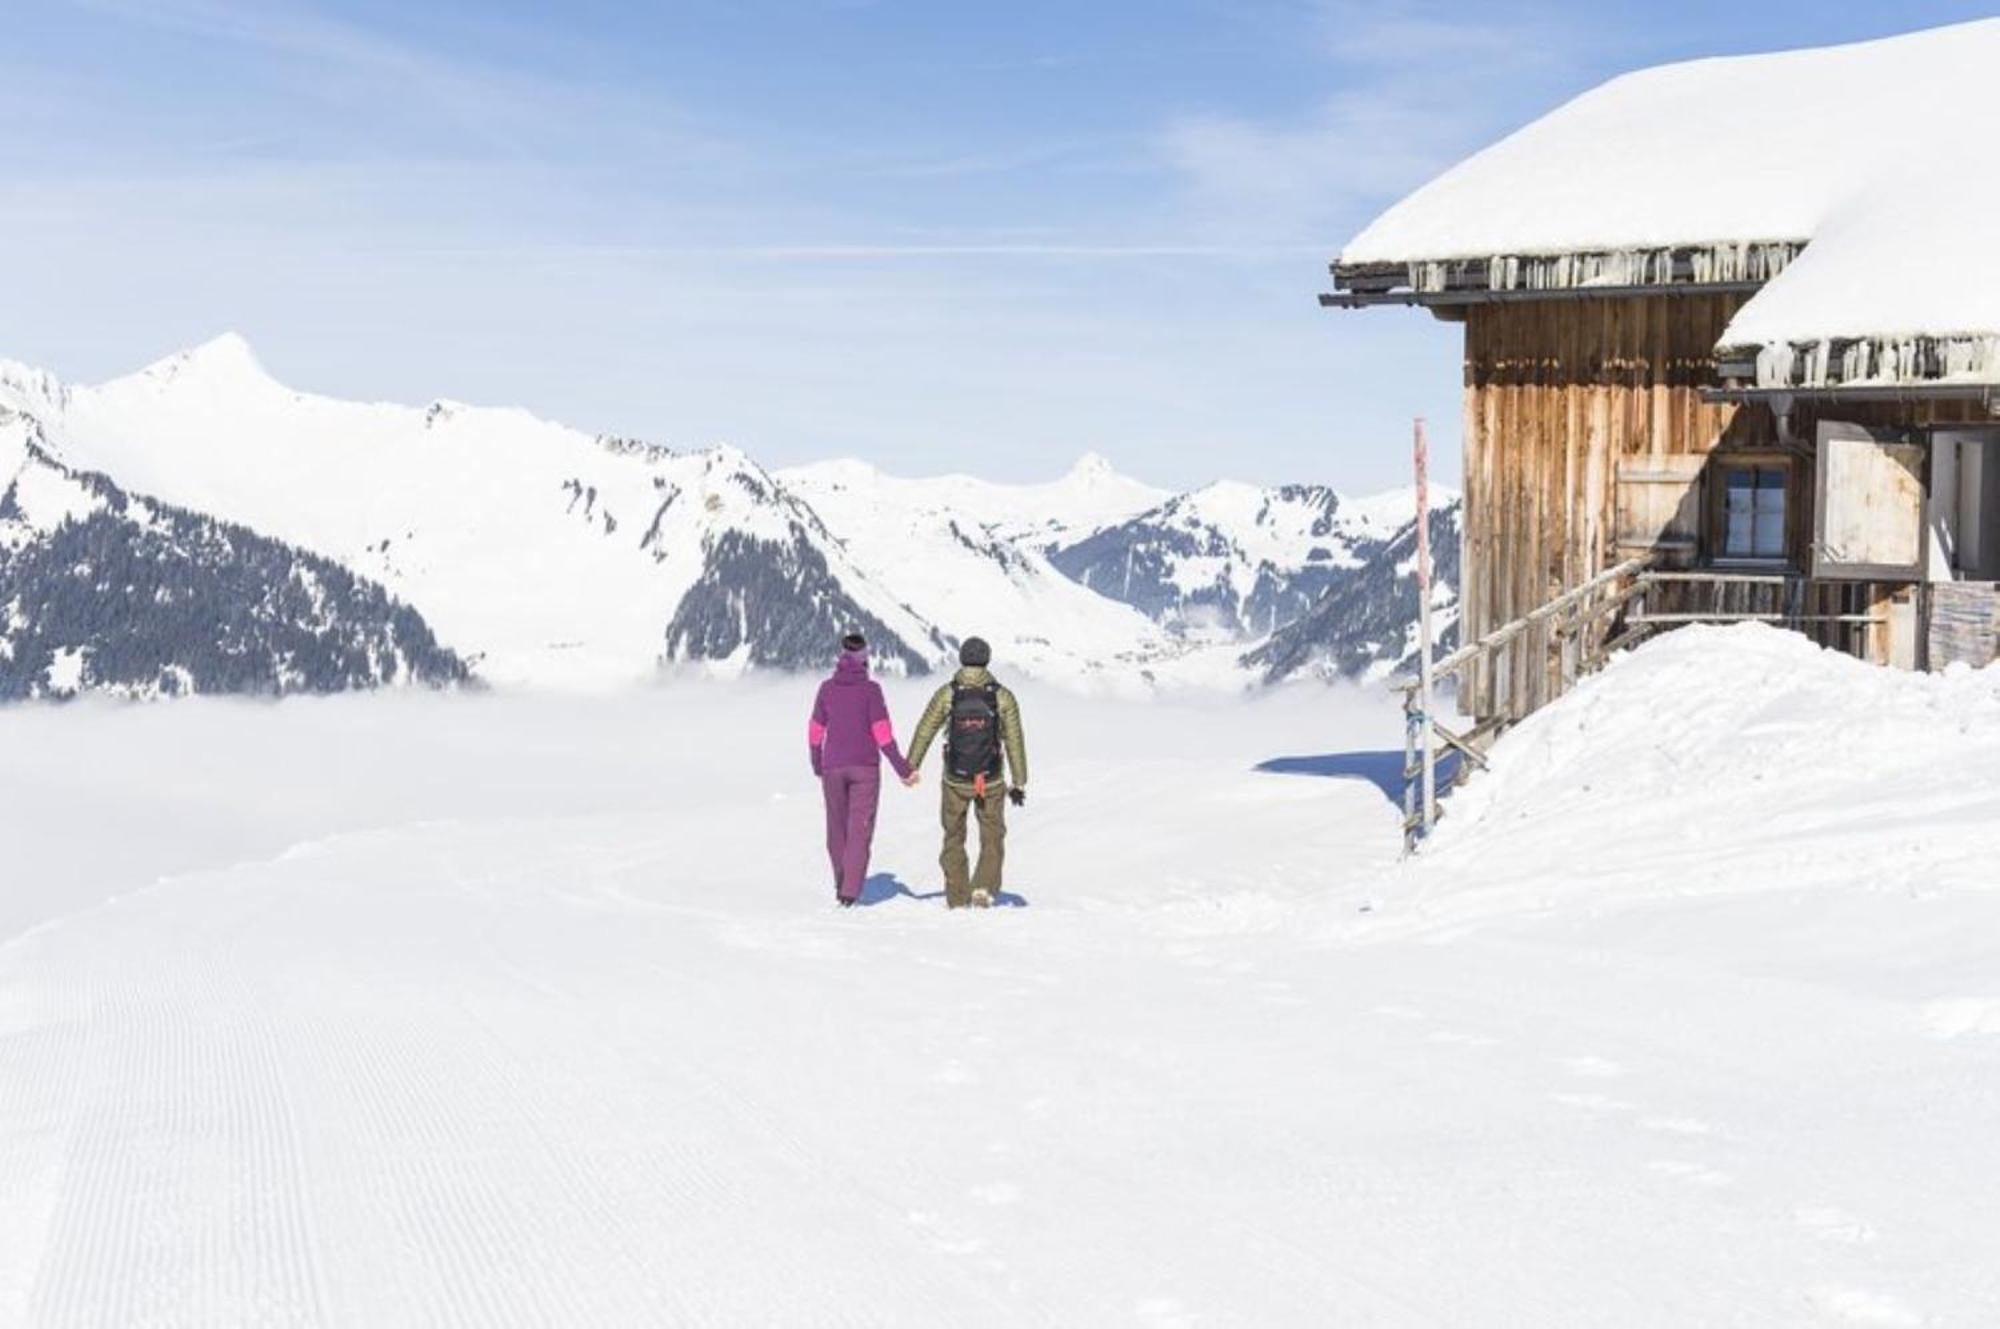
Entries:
{"x":992,"y":813}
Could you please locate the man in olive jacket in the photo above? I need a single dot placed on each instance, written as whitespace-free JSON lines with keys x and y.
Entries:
{"x":981,"y":723}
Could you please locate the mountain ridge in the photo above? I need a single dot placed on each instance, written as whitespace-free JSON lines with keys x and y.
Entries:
{"x":200,"y":605}
{"x":542,"y":555}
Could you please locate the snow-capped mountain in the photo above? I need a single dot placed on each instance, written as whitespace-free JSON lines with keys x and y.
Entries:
{"x":973,"y":554}
{"x":1364,"y":626}
{"x":1234,"y":560}
{"x":539,"y":553}
{"x":103,"y":591}
{"x":486,"y":542}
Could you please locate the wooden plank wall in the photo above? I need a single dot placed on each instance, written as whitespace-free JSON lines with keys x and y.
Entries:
{"x":1561,"y":395}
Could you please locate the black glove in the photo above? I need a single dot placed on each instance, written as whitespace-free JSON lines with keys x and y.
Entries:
{"x":1017,"y":796}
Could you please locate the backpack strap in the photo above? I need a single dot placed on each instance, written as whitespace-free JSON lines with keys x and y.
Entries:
{"x":992,"y":693}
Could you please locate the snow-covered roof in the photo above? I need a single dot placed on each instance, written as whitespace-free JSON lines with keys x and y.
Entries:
{"x":1868,"y":155}
{"x":1901,"y":285}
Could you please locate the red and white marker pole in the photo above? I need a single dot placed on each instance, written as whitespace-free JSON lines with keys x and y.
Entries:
{"x":1429,"y":733}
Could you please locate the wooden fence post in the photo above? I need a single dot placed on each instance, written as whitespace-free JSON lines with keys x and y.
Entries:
{"x":1429,"y":754}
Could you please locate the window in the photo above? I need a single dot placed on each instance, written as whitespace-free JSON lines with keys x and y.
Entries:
{"x":1965,"y":505}
{"x":1753,"y":511}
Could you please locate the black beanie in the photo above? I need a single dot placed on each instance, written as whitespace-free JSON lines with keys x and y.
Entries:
{"x":854,"y":641}
{"x":974,"y":653}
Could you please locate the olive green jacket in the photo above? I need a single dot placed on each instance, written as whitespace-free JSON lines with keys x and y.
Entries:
{"x":939,"y":711}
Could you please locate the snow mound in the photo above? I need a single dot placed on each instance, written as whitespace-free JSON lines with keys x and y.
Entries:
{"x":1727,"y":760}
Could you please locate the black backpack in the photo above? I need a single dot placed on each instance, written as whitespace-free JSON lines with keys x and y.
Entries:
{"x":972,"y":734}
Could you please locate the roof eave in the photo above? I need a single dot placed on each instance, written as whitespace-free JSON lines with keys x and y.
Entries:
{"x":1470,"y":296}
{"x":1721,"y":267}
{"x":1743,"y":394}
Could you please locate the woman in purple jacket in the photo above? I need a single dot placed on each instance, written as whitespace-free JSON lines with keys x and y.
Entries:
{"x":849,"y":735}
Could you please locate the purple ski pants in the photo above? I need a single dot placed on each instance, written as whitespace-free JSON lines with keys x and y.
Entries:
{"x":852,"y":793}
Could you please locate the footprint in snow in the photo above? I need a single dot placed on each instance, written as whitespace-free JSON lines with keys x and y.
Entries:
{"x":942,"y":1242}
{"x":1593,"y":1102}
{"x":1279,"y":994}
{"x":1164,"y":1312}
{"x":1861,"y":1306}
{"x":1694,"y":1174}
{"x":1678,"y":1126}
{"x":1830,"y":1224}
{"x":1593,"y":1068}
{"x":958,"y":1246}
{"x":1946,"y":1020}
{"x":1457,"y":1039}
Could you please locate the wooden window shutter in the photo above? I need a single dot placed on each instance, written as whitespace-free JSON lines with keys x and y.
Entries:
{"x":1868,"y":522}
{"x":1659,"y":507}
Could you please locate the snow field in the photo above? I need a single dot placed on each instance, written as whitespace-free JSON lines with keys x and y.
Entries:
{"x":530,"y":1010}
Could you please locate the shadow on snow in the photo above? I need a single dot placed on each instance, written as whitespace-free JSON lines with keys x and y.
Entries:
{"x":1384,"y":770}
{"x":886,"y":886}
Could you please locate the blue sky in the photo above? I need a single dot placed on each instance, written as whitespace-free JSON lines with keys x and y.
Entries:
{"x":936,"y":235}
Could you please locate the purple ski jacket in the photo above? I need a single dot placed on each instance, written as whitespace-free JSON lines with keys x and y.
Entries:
{"x":850,"y":721}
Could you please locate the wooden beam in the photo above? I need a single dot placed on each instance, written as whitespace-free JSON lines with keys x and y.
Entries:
{"x":1868,"y":619}
{"x":1502,"y":635}
{"x":1758,"y":578}
{"x":1368,"y":299}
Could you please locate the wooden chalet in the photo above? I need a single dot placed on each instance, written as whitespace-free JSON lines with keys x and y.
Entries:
{"x":1713,"y":378}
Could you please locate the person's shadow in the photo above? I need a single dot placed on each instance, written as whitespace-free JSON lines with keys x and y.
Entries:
{"x":886,"y":886}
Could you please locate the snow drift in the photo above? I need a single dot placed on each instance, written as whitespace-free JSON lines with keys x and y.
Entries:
{"x":1812,"y":767}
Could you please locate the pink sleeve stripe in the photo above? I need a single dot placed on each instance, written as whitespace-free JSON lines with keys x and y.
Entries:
{"x":815,"y":733}
{"x":884,"y":732}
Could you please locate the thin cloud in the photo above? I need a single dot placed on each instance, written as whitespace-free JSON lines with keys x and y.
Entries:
{"x":849,"y":253}
{"x":499,"y":112}
{"x":1399,"y":115}
{"x":1434,"y":35}
{"x":1038,"y":157}
{"x":1294,"y":179}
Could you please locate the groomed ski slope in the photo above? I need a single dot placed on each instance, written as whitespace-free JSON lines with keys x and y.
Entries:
{"x":532,"y":1011}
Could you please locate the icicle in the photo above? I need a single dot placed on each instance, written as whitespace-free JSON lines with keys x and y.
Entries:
{"x":1732,"y":261}
{"x":1774,"y":365}
{"x":1879,"y":361}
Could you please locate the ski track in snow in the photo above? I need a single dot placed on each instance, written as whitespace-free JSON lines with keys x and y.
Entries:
{"x":477,"y":1055}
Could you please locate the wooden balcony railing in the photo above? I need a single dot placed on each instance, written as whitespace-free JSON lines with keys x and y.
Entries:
{"x":1517,"y":668}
